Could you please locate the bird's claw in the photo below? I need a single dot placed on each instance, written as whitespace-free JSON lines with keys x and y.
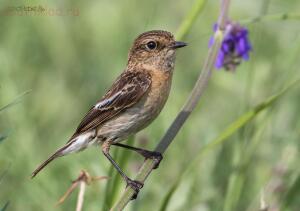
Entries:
{"x":135,"y":185}
{"x":155,"y":156}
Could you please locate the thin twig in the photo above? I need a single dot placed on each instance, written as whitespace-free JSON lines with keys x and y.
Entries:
{"x":80,"y":196}
{"x":189,"y":106}
{"x":263,"y":204}
{"x":67,"y":193}
{"x":82,"y":180}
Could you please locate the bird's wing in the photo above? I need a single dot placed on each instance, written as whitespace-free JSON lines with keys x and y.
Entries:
{"x":126,"y":91}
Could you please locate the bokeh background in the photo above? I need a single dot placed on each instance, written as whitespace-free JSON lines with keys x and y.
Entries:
{"x":67,"y":62}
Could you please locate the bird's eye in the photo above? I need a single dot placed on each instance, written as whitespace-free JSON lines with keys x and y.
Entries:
{"x":151,"y":45}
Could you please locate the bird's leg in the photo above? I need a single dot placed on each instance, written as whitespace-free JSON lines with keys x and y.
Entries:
{"x":135,"y":185}
{"x":153,"y":155}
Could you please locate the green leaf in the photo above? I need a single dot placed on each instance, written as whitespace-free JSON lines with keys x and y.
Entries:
{"x":15,"y":101}
{"x":223,"y":136}
{"x":2,"y":137}
{"x":3,"y":174}
{"x":291,"y":198}
{"x":190,"y":19}
{"x":5,"y":206}
{"x":236,"y":182}
{"x":168,"y":196}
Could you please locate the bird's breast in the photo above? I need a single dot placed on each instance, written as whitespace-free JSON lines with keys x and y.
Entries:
{"x":143,"y":113}
{"x":158,"y":93}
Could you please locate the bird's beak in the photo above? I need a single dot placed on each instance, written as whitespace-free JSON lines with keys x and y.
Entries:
{"x":178,"y":44}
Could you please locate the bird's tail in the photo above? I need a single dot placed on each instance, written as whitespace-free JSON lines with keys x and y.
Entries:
{"x":57,"y":154}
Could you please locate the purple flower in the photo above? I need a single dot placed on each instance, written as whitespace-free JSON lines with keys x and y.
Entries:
{"x":234,"y":48}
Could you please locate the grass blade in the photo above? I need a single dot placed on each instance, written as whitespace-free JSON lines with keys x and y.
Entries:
{"x":229,"y":131}
{"x":15,"y":101}
{"x":272,"y":17}
{"x":292,"y":195}
{"x":2,"y":137}
{"x":168,"y":196}
{"x":5,"y":206}
{"x":190,"y":19}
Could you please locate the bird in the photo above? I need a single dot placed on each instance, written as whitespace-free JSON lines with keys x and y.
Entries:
{"x":134,"y":100}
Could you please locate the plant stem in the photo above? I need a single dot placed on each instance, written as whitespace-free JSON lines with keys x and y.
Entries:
{"x":80,"y":196}
{"x":273,"y":17}
{"x":189,"y":106}
{"x":15,"y":101}
{"x":190,"y":19}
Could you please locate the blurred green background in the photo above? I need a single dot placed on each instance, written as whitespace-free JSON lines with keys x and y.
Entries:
{"x":67,"y":63}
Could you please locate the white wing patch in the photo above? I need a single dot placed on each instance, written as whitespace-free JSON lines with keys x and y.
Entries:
{"x":107,"y":101}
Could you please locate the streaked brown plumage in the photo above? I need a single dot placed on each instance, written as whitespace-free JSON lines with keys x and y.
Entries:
{"x":132,"y":103}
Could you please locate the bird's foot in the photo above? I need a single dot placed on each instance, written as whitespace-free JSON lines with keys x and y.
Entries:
{"x":155,"y":156}
{"x":135,"y":185}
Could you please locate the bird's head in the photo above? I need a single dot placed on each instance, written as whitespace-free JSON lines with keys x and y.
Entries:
{"x":154,"y":49}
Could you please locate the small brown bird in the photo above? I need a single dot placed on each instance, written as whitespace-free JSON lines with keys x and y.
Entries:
{"x":134,"y":100}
